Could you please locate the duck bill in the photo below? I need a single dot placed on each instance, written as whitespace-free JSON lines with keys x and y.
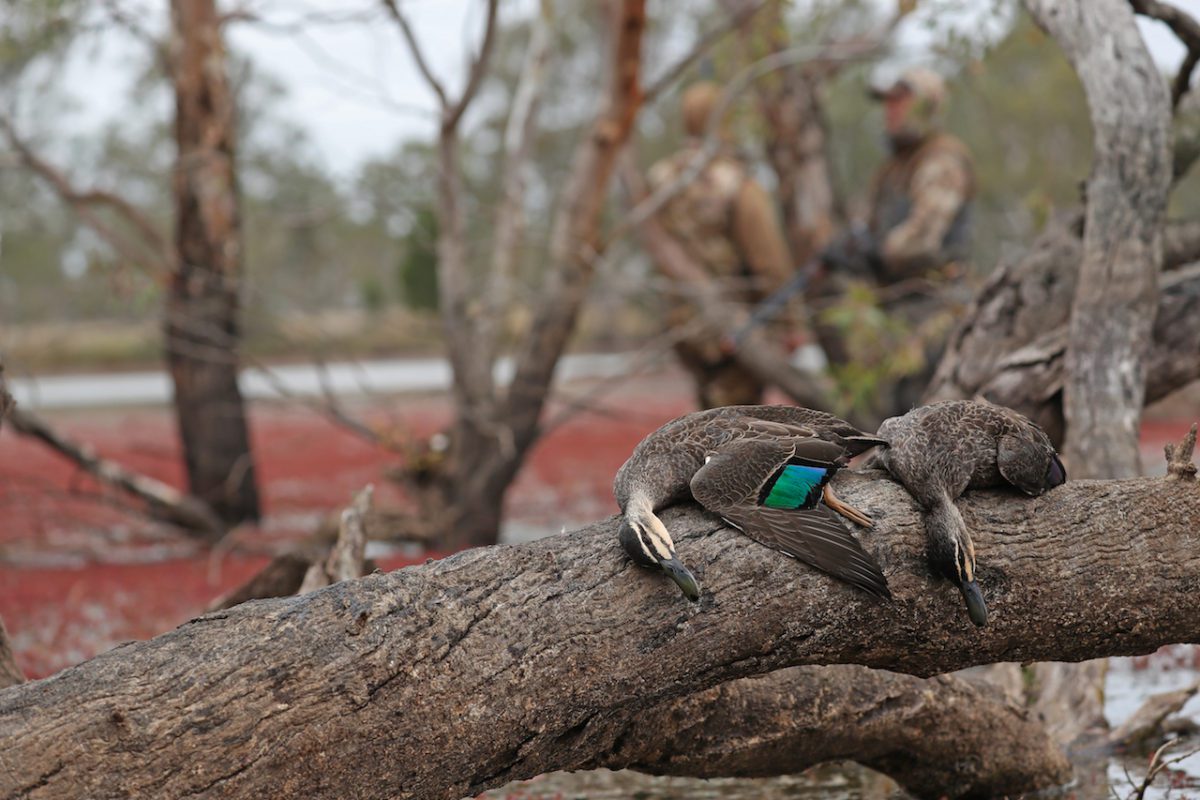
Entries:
{"x":683,"y":577}
{"x":976,"y":608}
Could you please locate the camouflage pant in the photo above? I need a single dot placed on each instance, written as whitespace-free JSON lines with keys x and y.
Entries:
{"x":924,"y":315}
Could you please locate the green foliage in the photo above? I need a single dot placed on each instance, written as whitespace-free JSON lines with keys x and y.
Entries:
{"x":418,"y":267}
{"x":881,"y":347}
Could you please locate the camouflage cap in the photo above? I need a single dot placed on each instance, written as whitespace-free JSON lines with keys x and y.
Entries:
{"x":698,"y":103}
{"x":922,"y":82}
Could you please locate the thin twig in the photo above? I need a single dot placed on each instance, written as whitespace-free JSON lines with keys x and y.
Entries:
{"x":479,"y":66}
{"x":159,"y":265}
{"x":1186,"y":29}
{"x":700,"y":49}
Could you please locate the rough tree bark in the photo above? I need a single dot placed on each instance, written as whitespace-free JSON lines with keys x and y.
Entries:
{"x":529,"y":657}
{"x":924,"y":733}
{"x":1113,"y":309}
{"x":1010,"y":347}
{"x":201,"y":324}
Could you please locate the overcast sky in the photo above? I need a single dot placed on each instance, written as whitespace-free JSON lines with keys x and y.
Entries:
{"x":352,"y":86}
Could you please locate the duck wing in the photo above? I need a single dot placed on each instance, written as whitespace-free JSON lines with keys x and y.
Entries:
{"x":771,"y":490}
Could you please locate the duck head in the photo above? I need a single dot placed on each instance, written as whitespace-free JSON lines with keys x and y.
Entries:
{"x":952,"y":553}
{"x":648,"y":543}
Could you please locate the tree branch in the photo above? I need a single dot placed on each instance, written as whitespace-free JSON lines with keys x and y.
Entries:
{"x":153,"y":254}
{"x":734,"y":19}
{"x":165,"y":502}
{"x":478,"y":69}
{"x":414,"y":48}
{"x":575,"y":237}
{"x":347,"y":556}
{"x":1186,"y":29}
{"x":1010,"y":346}
{"x":526,"y":656}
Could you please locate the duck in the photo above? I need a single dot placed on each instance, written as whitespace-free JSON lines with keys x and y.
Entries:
{"x":939,"y":451}
{"x":766,"y":470}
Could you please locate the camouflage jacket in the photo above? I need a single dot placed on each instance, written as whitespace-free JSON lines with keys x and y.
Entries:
{"x":728,"y":224}
{"x":920,"y":209}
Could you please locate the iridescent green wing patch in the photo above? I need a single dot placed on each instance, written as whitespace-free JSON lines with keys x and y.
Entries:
{"x":795,"y":486}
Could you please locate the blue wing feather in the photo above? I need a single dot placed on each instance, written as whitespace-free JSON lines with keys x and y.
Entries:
{"x":795,"y":486}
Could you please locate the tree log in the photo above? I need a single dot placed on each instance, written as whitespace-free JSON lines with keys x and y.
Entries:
{"x":506,"y":662}
{"x":937,"y":737}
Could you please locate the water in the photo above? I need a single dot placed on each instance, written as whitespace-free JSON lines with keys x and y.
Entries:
{"x":1128,"y":685}
{"x":343,"y":378}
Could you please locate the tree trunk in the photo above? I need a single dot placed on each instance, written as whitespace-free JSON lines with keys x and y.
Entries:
{"x":202,"y":306}
{"x":526,"y":657}
{"x":1113,"y":309}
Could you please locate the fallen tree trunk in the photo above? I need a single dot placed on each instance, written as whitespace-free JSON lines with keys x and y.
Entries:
{"x":915,"y":730}
{"x":506,"y":662}
{"x":937,"y":737}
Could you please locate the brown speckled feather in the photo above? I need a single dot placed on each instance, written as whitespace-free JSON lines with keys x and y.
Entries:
{"x":663,"y":464}
{"x":939,"y":451}
{"x":960,"y":444}
{"x":744,"y":446}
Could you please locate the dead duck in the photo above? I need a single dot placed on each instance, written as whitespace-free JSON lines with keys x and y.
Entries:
{"x":939,"y":451}
{"x":766,"y":471}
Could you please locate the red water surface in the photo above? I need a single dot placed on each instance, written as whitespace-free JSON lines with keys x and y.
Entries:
{"x":79,"y":575}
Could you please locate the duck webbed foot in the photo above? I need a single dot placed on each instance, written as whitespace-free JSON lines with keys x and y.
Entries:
{"x":849,"y":512}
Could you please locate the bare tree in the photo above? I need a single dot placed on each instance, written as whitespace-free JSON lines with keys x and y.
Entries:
{"x":1072,"y":334}
{"x":201,"y":268}
{"x":495,"y":426}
